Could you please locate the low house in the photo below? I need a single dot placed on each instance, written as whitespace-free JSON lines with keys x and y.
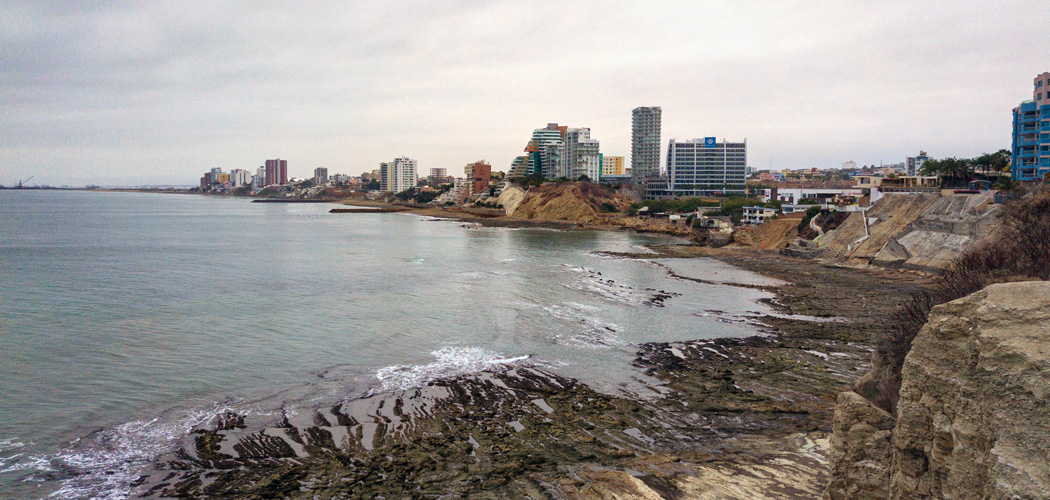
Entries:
{"x":900,"y":184}
{"x":757,"y":215}
{"x":716,"y":222}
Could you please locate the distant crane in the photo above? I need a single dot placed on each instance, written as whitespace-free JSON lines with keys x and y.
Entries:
{"x":24,"y":181}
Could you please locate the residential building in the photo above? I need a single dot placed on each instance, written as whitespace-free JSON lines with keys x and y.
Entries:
{"x":321,"y":176}
{"x":645,"y":143}
{"x":398,"y":175}
{"x":543,"y":151}
{"x":757,"y":215}
{"x":795,"y":195}
{"x":900,"y":184}
{"x":559,"y":151}
{"x":579,"y":156}
{"x":240,"y":177}
{"x":849,"y":165}
{"x":1031,"y":134}
{"x":478,"y":175}
{"x":704,"y":167}
{"x":276,"y":172}
{"x":913,"y":164}
{"x":438,"y":175}
{"x":612,"y":165}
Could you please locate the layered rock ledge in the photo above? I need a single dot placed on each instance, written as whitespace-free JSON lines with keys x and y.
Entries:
{"x":974,"y":414}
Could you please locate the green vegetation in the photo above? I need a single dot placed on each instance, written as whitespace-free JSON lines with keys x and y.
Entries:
{"x":956,"y":172}
{"x":1021,"y":253}
{"x":811,"y":212}
{"x":732,"y":207}
{"x":529,"y":180}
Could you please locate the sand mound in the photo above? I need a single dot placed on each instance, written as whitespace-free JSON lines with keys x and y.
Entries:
{"x":772,"y":235}
{"x":569,"y":201}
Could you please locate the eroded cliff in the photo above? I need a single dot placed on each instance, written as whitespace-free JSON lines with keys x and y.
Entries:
{"x":973,"y":420}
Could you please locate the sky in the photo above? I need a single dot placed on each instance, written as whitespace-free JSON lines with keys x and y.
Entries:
{"x":158,"y":92}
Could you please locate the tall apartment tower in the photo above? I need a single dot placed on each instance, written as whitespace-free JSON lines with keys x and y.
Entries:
{"x":321,"y":175}
{"x":704,"y":167}
{"x":580,"y":155}
{"x":398,"y":175}
{"x":276,"y":172}
{"x":1031,"y":134}
{"x":645,"y":144}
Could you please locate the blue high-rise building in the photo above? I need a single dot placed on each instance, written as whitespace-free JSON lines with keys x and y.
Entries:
{"x":1031,"y":134}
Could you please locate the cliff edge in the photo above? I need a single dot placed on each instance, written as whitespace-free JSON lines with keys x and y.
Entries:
{"x":973,"y":419}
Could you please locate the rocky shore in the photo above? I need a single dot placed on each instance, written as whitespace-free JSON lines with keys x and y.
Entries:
{"x":730,"y":418}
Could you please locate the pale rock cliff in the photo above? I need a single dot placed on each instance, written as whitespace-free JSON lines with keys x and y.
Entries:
{"x":973,"y":420}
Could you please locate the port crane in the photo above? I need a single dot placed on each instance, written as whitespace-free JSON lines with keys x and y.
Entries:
{"x":24,"y":181}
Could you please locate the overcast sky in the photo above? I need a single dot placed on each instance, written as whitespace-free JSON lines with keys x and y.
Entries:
{"x":157,"y":93}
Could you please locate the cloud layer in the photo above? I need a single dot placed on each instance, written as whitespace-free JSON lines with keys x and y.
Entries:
{"x":142,"y":93}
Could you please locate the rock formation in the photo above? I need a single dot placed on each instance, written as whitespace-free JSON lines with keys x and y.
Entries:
{"x":973,"y":419}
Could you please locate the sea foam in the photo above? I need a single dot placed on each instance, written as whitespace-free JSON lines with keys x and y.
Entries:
{"x":451,"y":362}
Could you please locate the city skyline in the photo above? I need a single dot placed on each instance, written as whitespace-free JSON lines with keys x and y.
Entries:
{"x":157,"y":94}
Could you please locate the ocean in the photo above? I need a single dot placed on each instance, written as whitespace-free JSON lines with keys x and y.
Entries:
{"x":128,"y":318}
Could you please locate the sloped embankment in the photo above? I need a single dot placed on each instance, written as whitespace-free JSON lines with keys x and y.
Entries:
{"x":943,"y":231}
{"x":772,"y":235}
{"x":569,"y":201}
{"x":889,"y":217}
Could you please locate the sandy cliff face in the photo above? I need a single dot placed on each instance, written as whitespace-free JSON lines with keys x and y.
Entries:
{"x":570,"y":201}
{"x":974,"y":415}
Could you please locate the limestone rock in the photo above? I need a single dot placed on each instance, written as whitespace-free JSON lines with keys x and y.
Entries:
{"x":974,"y":413}
{"x":973,"y":421}
{"x":861,"y":450}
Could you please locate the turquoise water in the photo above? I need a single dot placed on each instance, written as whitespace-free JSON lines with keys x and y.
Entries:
{"x":125,"y":318}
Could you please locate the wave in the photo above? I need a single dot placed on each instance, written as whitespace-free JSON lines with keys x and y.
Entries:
{"x":451,"y":362}
{"x":583,"y":329}
{"x":106,"y":463}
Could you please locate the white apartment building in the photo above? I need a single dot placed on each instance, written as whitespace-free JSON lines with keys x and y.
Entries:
{"x":580,"y":155}
{"x":240,"y":177}
{"x":704,"y":167}
{"x":398,"y":175}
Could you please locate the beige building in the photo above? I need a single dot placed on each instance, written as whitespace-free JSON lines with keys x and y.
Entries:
{"x":612,"y":165}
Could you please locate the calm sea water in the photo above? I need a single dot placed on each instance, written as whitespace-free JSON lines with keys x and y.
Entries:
{"x":127,"y":318}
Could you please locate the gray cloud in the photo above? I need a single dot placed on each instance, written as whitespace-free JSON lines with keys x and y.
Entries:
{"x":157,"y":93}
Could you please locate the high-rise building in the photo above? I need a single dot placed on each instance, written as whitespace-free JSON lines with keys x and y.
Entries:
{"x":543,"y":150}
{"x":240,"y":177}
{"x":704,"y":167}
{"x":1031,"y":134}
{"x":478,"y":176}
{"x":438,"y":175}
{"x":398,"y":175}
{"x":276,"y":172}
{"x":321,"y":175}
{"x":612,"y":165}
{"x":559,"y":151}
{"x":580,"y":155}
{"x":645,"y":143}
{"x":912,"y":164}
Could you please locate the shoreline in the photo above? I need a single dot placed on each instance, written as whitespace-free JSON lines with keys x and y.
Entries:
{"x":723,"y":408}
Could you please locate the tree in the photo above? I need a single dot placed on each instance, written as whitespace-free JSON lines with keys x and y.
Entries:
{"x":952,"y":171}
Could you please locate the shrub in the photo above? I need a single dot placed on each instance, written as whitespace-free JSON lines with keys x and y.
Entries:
{"x":1022,"y":252}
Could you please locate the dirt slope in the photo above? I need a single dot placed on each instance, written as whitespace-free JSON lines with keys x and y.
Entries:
{"x":772,"y":235}
{"x":894,"y":214}
{"x":569,"y":201}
